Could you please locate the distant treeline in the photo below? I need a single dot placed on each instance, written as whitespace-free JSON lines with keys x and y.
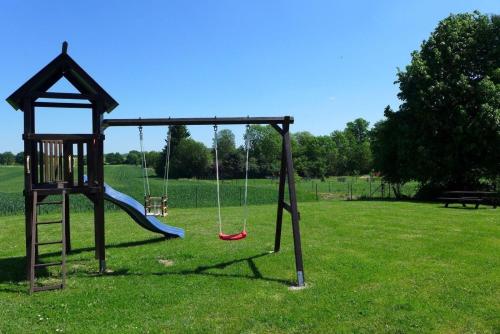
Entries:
{"x":345,"y":152}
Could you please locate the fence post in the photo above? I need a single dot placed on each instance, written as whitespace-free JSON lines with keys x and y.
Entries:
{"x":329,"y":186}
{"x":317,"y":198}
{"x":370,"y":185}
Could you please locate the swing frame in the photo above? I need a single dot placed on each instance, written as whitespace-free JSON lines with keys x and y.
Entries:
{"x":286,"y":176}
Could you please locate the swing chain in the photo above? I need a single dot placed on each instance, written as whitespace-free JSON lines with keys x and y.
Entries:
{"x":145,"y":175}
{"x":167,"y":162}
{"x":217,"y":176}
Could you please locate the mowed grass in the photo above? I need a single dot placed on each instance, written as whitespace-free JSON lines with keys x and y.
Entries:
{"x":390,"y":267}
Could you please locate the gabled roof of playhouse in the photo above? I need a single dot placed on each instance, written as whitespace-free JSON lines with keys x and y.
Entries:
{"x":61,"y":66}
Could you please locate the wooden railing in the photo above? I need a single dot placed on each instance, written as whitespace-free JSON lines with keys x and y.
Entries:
{"x":59,"y":158}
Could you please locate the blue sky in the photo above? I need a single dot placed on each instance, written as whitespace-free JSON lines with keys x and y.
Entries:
{"x":324,"y":62}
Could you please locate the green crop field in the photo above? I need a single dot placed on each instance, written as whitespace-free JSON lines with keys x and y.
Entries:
{"x":192,"y":193}
{"x":390,"y":267}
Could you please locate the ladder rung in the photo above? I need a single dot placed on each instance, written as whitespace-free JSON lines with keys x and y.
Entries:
{"x":50,"y":222}
{"x":49,"y":203}
{"x":48,"y":243}
{"x":47,"y":287}
{"x":49,"y":264}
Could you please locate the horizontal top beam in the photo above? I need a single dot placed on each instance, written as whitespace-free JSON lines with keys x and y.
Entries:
{"x":62,"y":105}
{"x":69,"y":96}
{"x":196,"y":121}
{"x":60,"y":136}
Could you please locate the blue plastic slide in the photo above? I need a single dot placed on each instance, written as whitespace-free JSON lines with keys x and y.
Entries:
{"x":136,"y":211}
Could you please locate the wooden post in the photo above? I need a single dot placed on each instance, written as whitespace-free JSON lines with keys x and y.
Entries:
{"x":68,"y":178}
{"x":293,"y":206}
{"x":29,"y":128}
{"x":281,"y":198}
{"x":98,"y":165}
{"x":67,"y":223}
{"x":370,"y":185}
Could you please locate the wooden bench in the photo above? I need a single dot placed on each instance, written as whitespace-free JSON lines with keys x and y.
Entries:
{"x":470,"y":197}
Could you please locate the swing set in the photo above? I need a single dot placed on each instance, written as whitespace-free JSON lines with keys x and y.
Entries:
{"x":158,"y":206}
{"x":67,"y":164}
{"x":286,"y":175}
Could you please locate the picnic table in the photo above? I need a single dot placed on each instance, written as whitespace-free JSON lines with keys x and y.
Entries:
{"x":465,"y":197}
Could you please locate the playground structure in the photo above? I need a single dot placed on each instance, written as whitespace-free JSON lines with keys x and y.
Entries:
{"x":50,"y":169}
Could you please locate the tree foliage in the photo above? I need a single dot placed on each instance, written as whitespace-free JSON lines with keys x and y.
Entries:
{"x":446,"y":132}
{"x":192,"y":159}
{"x":133,"y":158}
{"x":7,"y":158}
{"x":114,"y":158}
{"x":265,"y":146}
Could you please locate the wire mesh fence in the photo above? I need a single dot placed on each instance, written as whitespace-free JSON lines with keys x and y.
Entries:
{"x":193,"y":193}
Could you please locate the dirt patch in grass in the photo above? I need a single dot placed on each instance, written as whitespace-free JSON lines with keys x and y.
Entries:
{"x":166,"y":262}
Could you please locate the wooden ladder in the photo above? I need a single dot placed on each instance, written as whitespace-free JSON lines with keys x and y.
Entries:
{"x":35,"y":243}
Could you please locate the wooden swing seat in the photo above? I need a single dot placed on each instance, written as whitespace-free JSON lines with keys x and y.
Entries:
{"x":156,"y":206}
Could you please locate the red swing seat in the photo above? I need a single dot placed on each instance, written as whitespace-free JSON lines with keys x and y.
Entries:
{"x":233,"y":237}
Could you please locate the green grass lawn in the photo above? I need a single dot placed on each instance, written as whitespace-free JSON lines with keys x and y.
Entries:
{"x":390,"y":267}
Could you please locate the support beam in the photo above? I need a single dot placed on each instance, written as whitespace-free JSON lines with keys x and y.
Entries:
{"x":287,"y":177}
{"x":195,"y":121}
{"x":277,"y":128}
{"x":294,"y":210}
{"x":59,"y":136}
{"x":29,"y":127}
{"x":281,"y":199}
{"x":63,"y":105}
{"x":98,"y":165}
{"x":64,"y":96}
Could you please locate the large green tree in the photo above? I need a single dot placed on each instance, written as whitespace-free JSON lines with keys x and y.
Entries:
{"x":20,"y":158}
{"x":446,"y":132}
{"x":114,"y":158}
{"x":313,"y":155}
{"x":230,"y":158}
{"x":359,"y":159}
{"x":133,"y":158}
{"x":265,"y":150}
{"x":7,"y":158}
{"x":192,"y":159}
{"x":177,"y":134}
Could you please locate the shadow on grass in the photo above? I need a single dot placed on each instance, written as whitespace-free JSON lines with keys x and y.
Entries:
{"x":257,"y":275}
{"x":205,"y":271}
{"x":416,"y":201}
{"x":13,"y":269}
